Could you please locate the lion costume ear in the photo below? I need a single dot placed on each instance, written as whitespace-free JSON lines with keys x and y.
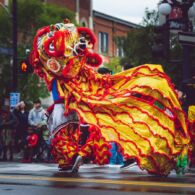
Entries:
{"x":93,"y":59}
{"x":87,"y":33}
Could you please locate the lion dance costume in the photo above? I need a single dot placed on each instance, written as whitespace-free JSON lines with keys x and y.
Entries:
{"x":191,"y":118}
{"x":138,"y":108}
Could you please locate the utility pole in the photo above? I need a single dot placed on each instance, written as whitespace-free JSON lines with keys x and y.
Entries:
{"x":14,"y":39}
{"x":186,"y":48}
{"x":167,"y":40}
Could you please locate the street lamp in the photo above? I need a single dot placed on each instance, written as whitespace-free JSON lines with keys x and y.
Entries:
{"x":191,"y":12}
{"x":165,"y":9}
{"x":14,"y":38}
{"x":188,"y":12}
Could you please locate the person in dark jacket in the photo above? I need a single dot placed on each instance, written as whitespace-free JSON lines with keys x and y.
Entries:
{"x":21,"y":129}
{"x":7,"y":124}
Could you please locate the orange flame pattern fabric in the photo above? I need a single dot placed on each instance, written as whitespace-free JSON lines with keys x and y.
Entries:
{"x":191,"y":118}
{"x":124,"y":107}
{"x":66,"y":146}
{"x":138,"y":108}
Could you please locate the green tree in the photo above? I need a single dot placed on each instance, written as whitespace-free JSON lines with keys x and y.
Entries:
{"x":114,"y":65}
{"x":32,"y":15}
{"x":137,"y":46}
{"x":138,"y":43}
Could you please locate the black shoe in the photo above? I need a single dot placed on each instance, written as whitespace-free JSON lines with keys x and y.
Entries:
{"x":66,"y":168}
{"x":128,"y":163}
{"x":77,"y":164}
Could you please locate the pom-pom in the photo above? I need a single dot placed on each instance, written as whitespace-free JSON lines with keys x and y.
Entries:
{"x":93,"y":59}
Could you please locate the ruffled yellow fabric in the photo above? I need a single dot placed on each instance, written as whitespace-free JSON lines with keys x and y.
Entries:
{"x":191,"y":113}
{"x":124,"y":107}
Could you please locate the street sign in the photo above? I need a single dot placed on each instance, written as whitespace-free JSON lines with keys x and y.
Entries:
{"x":14,"y":99}
{"x":6,"y":50}
{"x":187,"y":38}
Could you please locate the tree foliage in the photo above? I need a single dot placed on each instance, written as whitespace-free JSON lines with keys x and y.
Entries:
{"x":137,"y":44}
{"x":31,"y":15}
{"x":138,"y":48}
{"x":114,"y":65}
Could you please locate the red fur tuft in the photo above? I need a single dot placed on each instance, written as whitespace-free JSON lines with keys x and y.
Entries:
{"x":86,"y":32}
{"x":93,"y":59}
{"x":59,"y":36}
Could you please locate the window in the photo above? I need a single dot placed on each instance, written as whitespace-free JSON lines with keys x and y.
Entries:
{"x":120,"y":52}
{"x":6,"y":3}
{"x":120,"y":45}
{"x":103,"y":42}
{"x":83,"y":22}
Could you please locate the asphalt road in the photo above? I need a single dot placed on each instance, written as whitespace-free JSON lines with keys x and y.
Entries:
{"x":35,"y":179}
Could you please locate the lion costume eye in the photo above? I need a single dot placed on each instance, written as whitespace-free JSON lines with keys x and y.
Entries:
{"x":53,"y":65}
{"x":51,"y":47}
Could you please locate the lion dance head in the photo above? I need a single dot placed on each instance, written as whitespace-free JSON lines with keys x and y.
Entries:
{"x":63,"y":49}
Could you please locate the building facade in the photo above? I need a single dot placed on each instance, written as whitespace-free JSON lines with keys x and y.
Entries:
{"x":4,"y":2}
{"x":105,"y":27}
{"x":83,"y":10}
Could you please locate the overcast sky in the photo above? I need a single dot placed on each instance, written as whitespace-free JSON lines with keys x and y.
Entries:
{"x":131,"y":10}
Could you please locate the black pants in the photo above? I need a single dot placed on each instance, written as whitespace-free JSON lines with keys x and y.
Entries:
{"x":84,"y":134}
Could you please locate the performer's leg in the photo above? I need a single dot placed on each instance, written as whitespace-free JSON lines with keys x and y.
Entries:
{"x":96,"y":147}
{"x":65,"y":146}
{"x":84,"y":133}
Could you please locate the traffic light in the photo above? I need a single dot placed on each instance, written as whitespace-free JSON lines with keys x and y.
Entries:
{"x":160,"y":48}
{"x":25,"y":67}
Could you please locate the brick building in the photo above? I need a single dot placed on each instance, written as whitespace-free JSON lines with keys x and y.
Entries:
{"x":83,"y":11}
{"x":105,"y":27}
{"x":4,"y":2}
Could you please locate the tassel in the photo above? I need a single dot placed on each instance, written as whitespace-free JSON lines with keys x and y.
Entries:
{"x":93,"y":59}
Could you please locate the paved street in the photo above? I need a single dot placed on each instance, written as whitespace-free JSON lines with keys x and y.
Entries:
{"x":17,"y":178}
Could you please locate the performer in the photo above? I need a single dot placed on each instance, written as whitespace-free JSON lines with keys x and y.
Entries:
{"x":191,"y":118}
{"x":137,"y":108}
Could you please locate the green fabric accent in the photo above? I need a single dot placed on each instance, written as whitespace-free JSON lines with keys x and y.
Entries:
{"x":182,"y":163}
{"x":158,"y":104}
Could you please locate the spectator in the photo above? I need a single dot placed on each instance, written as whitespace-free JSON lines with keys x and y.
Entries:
{"x":21,"y":129}
{"x":30,"y":145}
{"x":38,"y":120}
{"x":104,"y":70}
{"x":37,"y":117}
{"x":127,"y":66}
{"x":7,"y":125}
